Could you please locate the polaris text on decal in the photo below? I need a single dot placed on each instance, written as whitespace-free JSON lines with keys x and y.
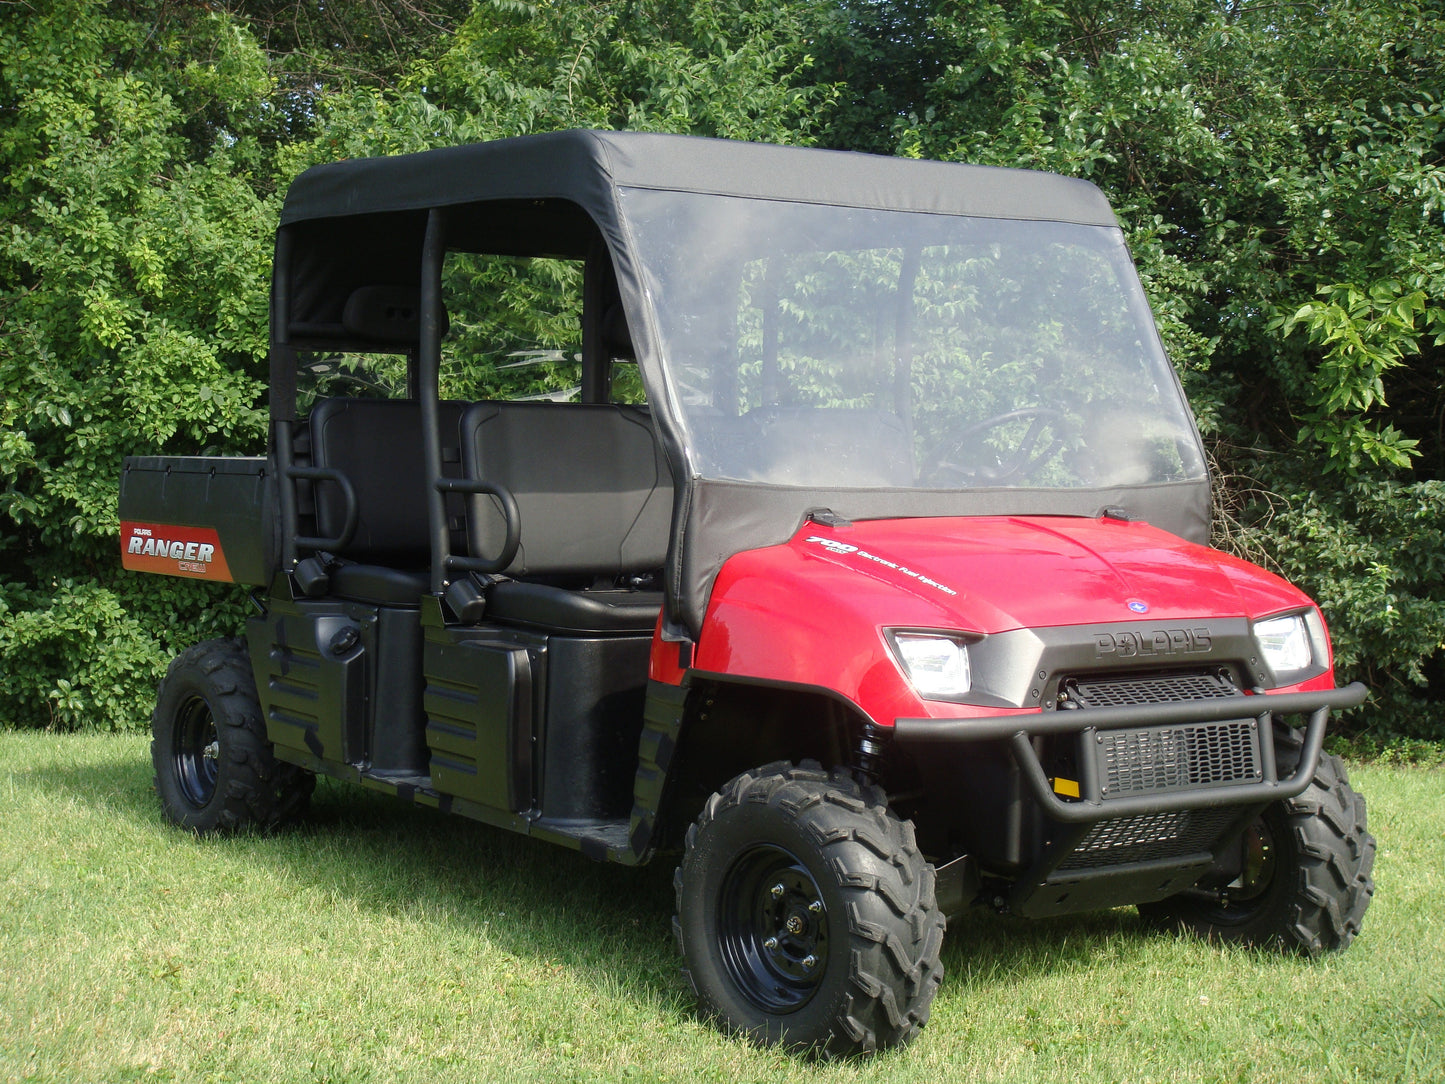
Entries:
{"x":1129,"y":645}
{"x":843,"y":549}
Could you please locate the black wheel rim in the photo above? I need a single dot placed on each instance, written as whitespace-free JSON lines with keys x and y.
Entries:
{"x":195,"y":750}
{"x":773,"y":929}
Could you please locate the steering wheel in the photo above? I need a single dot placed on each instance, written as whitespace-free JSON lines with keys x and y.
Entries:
{"x":1023,"y":461}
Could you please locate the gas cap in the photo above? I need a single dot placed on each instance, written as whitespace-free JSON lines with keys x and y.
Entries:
{"x":344,"y":640}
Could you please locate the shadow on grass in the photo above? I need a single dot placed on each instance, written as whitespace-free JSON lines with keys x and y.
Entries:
{"x":531,"y":899}
{"x":984,"y":950}
{"x":544,"y":903}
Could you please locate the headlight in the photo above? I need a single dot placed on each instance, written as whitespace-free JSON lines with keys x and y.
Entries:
{"x":936,"y":664}
{"x":1284,"y":642}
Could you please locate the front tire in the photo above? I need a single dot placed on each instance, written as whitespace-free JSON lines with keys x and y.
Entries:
{"x":806,"y":915}
{"x":215,"y":770}
{"x":1307,"y":879}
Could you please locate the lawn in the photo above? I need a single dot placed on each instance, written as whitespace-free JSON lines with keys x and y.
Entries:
{"x":382,"y":942}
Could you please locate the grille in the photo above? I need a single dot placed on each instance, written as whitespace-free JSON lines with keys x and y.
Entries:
{"x":1149,"y":837}
{"x":1154,"y":759}
{"x":1123,"y":691}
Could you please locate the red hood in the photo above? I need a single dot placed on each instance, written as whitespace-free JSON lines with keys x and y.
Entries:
{"x":811,"y":612}
{"x":992,"y":574}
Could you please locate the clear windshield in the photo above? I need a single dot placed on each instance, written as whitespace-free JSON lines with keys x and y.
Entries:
{"x":827,"y":347}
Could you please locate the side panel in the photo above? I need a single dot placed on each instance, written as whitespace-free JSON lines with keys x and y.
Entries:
{"x":312,"y":675}
{"x":596,"y":691}
{"x":341,"y":680}
{"x":396,"y":742}
{"x":478,"y":700}
{"x":199,"y":517}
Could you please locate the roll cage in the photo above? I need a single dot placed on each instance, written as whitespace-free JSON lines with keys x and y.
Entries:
{"x":358,"y":266}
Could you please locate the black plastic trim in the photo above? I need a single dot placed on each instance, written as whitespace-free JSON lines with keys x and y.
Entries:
{"x":721,"y":678}
{"x":1024,"y":668}
{"x":663,"y":714}
{"x":1019,"y":731}
{"x":348,"y":495}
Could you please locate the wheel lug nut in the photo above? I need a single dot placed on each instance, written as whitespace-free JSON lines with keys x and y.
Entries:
{"x":810,"y":961}
{"x":816,"y":907}
{"x":771,"y":944}
{"x":778,"y":890}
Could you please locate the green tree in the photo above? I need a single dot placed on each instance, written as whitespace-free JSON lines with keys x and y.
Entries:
{"x":145,"y":146}
{"x":138,"y":206}
{"x":1279,"y":169}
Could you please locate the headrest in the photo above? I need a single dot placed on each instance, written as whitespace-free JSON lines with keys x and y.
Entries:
{"x":387,"y":314}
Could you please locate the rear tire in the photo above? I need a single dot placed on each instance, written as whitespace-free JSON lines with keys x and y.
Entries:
{"x":806,"y":915}
{"x":1309,"y":883}
{"x":215,"y":770}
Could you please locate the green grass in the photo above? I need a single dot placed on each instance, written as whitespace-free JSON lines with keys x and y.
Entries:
{"x":386,"y":943}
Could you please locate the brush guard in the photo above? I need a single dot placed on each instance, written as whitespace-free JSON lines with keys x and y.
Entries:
{"x":1164,"y":789}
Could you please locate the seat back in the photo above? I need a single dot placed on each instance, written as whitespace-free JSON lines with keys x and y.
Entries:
{"x":377,"y":444}
{"x":592,"y":487}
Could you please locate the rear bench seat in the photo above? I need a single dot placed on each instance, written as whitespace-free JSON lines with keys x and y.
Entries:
{"x":595,"y":503}
{"x":377,"y":444}
{"x":590,"y":482}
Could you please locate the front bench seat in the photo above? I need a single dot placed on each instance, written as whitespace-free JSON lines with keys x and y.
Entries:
{"x":595,"y":502}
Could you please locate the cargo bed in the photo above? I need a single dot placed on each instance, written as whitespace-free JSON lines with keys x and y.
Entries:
{"x":199,"y":517}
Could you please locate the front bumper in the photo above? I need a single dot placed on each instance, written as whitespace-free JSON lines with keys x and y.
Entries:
{"x":1092,"y":804}
{"x":1170,"y":824}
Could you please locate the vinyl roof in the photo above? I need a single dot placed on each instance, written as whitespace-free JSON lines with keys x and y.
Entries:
{"x":586,"y":167}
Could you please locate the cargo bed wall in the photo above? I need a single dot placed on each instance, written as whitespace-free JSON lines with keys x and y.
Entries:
{"x":199,"y":517}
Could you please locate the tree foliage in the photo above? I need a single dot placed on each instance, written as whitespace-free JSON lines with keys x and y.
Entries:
{"x":144,"y":146}
{"x":134,"y":262}
{"x":1280,"y":170}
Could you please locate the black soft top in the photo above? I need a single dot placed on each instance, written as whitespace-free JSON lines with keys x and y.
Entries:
{"x":586,"y":167}
{"x":347,"y":226}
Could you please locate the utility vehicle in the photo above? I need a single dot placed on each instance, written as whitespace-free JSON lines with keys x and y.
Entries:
{"x":840,"y":525}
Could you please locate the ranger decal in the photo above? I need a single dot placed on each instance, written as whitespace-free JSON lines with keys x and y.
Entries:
{"x":192,"y":552}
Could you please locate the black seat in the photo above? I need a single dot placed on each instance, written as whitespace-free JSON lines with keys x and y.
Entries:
{"x":595,"y":501}
{"x":377,"y":444}
{"x":380,"y":584}
{"x":523,"y":603}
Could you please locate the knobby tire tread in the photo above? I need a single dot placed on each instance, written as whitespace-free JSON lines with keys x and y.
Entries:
{"x":1321,"y":906}
{"x":891,"y":913}
{"x":253,"y":788}
{"x":1337,"y":858}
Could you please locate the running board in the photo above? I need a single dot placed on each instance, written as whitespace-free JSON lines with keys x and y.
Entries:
{"x":599,"y":840}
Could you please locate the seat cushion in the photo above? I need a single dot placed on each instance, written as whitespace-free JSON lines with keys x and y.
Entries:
{"x":379,"y":584}
{"x":561,"y":610}
{"x":377,"y":444}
